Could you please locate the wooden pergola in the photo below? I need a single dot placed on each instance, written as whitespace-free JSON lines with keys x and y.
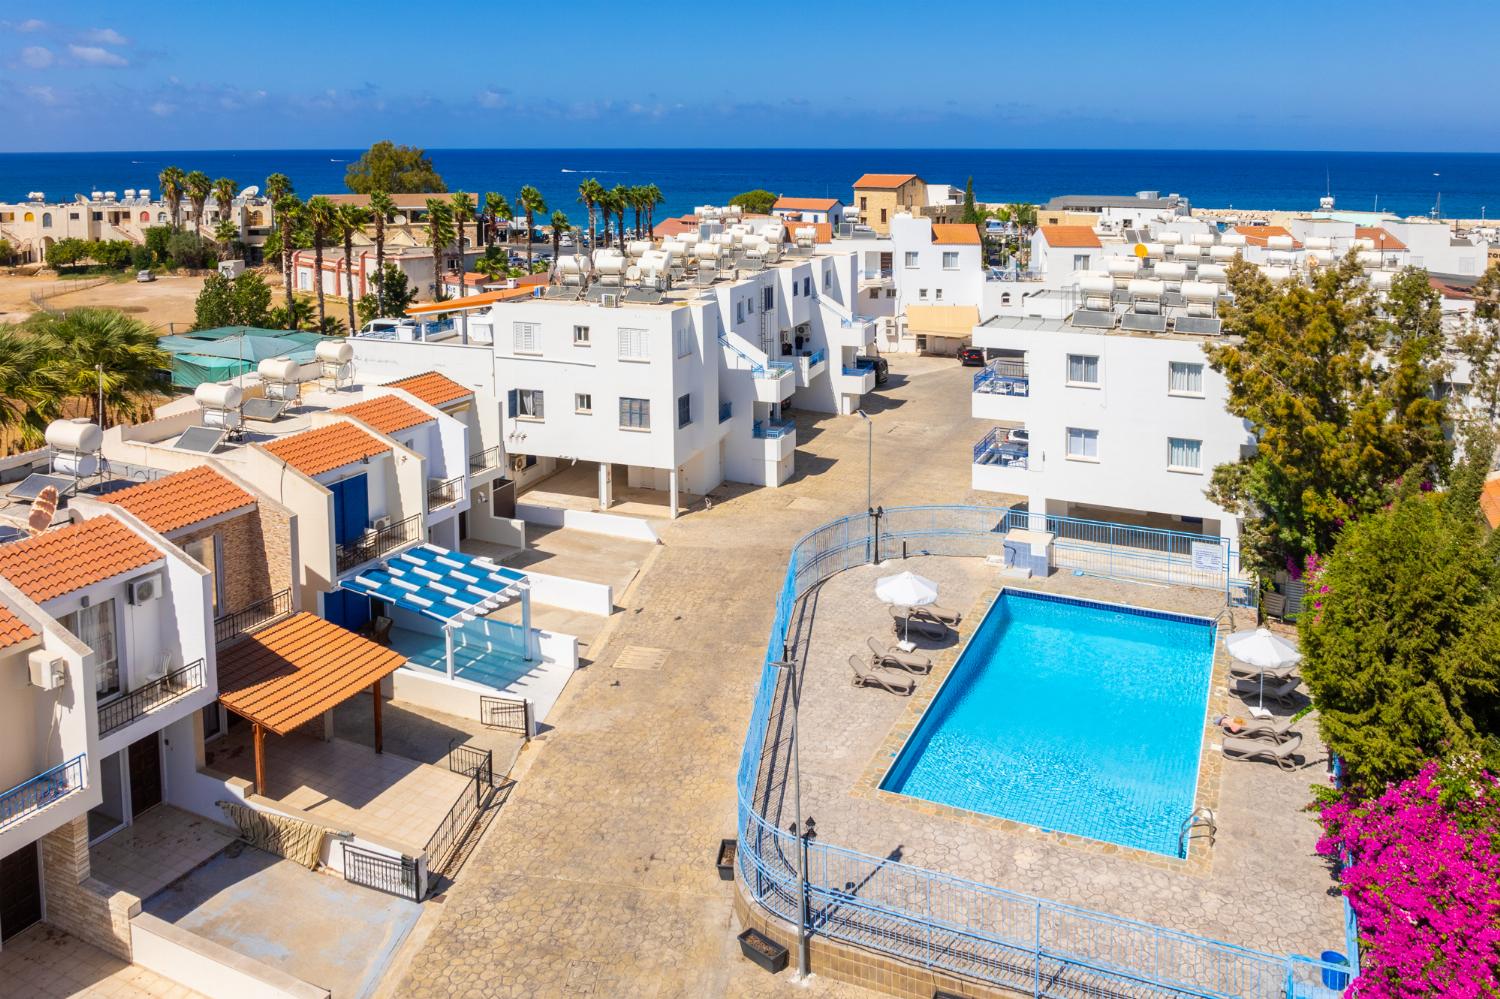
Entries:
{"x":293,"y":671}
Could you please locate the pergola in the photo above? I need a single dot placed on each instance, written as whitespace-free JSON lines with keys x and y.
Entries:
{"x":293,"y":671}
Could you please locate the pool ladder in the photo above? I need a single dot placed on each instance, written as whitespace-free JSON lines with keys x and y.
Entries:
{"x":1201,"y":819}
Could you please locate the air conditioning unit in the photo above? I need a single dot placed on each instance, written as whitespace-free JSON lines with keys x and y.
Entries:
{"x":48,"y":672}
{"x":144,"y":589}
{"x":611,"y":300}
{"x":380,"y":523}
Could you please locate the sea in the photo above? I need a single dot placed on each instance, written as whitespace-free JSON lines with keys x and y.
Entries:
{"x":1458,"y":185}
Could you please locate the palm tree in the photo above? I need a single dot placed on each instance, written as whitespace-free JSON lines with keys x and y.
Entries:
{"x":636,"y":195}
{"x":619,"y":200}
{"x":494,"y":264}
{"x":560,"y":225}
{"x":439,"y":234}
{"x":225,"y":190}
{"x":320,"y":215}
{"x":490,"y":211}
{"x":590,"y":193}
{"x":381,"y":209}
{"x":531,"y":202}
{"x":198,"y":188}
{"x":296,"y":315}
{"x":289,"y":211}
{"x":85,"y":349}
{"x":348,"y":220}
{"x":606,"y":209}
{"x":653,"y":197}
{"x":463,"y":212}
{"x":23,"y":397}
{"x":171,"y":180}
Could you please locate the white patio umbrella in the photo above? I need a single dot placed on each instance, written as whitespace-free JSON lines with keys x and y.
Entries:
{"x":1261,"y":648}
{"x":906,"y":589}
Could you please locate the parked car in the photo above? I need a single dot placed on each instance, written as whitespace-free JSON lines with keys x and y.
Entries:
{"x":1019,"y":435}
{"x":144,"y":277}
{"x":971,"y":357}
{"x":882,"y":368}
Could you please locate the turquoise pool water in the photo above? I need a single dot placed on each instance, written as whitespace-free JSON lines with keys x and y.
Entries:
{"x":484,"y":651}
{"x":1073,"y":716}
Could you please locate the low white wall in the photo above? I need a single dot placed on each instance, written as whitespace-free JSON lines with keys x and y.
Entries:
{"x":614,"y":525}
{"x":431,"y":690}
{"x":210,"y":968}
{"x":572,"y":594}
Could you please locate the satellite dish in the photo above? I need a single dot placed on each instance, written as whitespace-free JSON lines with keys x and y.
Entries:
{"x":1140,"y":249}
{"x":42,"y":510}
{"x":250,"y":191}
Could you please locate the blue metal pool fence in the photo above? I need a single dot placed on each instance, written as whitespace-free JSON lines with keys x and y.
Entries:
{"x":946,"y":923}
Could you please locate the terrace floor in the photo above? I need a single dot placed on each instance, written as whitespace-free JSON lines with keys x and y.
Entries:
{"x":577,"y":488}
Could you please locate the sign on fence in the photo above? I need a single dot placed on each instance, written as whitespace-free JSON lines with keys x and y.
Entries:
{"x":1208,"y":556}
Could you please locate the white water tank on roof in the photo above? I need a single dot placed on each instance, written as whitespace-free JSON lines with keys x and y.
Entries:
{"x":1321,"y":257}
{"x":1280,"y":243}
{"x":637,"y":248}
{"x":1146,"y":288}
{"x":222,"y":395}
{"x":1171,"y":271}
{"x":1169,"y":238}
{"x":1213,"y":272}
{"x":1363,"y":243}
{"x":1122,"y":266}
{"x":1277,"y":273}
{"x":1096,"y":284}
{"x":1203,"y":239}
{"x":1318,"y":243}
{"x":1381,"y":280}
{"x":1200,"y":291}
{"x":1232,"y":239}
{"x":76,"y":436}
{"x":1155,"y":251}
{"x":1368,"y":258}
{"x":339,"y":351}
{"x":278,"y":369}
{"x":1223,"y":253}
{"x":1187,"y":251}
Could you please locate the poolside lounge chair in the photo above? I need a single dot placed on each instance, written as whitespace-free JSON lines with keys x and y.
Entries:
{"x":1280,"y":754}
{"x":1272,"y":729}
{"x":1248,"y":689}
{"x":1238,"y":668}
{"x":909,"y":661}
{"x":866,"y":675}
{"x":935,"y":613}
{"x":919,"y":625}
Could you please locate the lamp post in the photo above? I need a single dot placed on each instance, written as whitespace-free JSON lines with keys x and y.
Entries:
{"x":869,"y":458}
{"x":806,"y":831}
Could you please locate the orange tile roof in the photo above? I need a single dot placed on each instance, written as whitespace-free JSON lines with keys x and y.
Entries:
{"x":294,"y":670}
{"x":675,"y":226}
{"x":386,"y":413}
{"x":314,"y":452}
{"x":1489,"y":502}
{"x":955,"y":234}
{"x":13,"y":631}
{"x":432,"y":388}
{"x":1382,"y":239}
{"x":805,"y":204}
{"x":72,"y":557}
{"x":182,"y":499}
{"x":823,"y":233}
{"x":473,"y":301}
{"x":1070,"y":235}
{"x":882,"y":181}
{"x":1260,"y":235}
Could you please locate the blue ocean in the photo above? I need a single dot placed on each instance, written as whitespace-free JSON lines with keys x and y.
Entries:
{"x":1465,"y":185}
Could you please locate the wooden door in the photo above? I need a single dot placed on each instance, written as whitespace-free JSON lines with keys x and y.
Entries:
{"x":20,"y":891}
{"x":145,"y":774}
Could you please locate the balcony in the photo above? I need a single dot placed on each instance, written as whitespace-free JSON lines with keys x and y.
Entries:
{"x":30,"y":797}
{"x":726,"y":410}
{"x":377,"y":542}
{"x":122,"y":711}
{"x":858,"y":378}
{"x":228,"y":627}
{"x":484,"y":461}
{"x":998,"y":448}
{"x":810,"y":365}
{"x":998,"y":378}
{"x":444,"y":492}
{"x":780,"y":438}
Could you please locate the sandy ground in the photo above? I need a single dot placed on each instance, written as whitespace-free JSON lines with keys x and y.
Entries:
{"x":161,"y":303}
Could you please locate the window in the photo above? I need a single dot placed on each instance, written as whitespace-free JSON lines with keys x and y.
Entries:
{"x":739,"y":312}
{"x":1005,"y":298}
{"x":921,"y":294}
{"x":581,"y":336}
{"x":583,"y":403}
{"x":864,"y":202}
{"x":874,"y":292}
{"x":890,"y":293}
{"x":635,"y":414}
{"x":524,"y":338}
{"x":205,"y":551}
{"x":1184,"y":378}
{"x":95,"y":627}
{"x":1083,"y":369}
{"x":526,"y":404}
{"x":882,"y":215}
{"x":911,"y":258}
{"x":1083,"y":444}
{"x":684,"y":336}
{"x":795,"y":291}
{"x":684,"y":410}
{"x":950,"y":260}
{"x":46,"y":220}
{"x":807,"y":283}
{"x":1080,"y":261}
{"x":633,"y":346}
{"x":938,"y":294}
{"x":1184,"y":454}
{"x":768,"y":298}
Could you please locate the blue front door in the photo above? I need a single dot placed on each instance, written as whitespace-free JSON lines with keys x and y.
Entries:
{"x":346,"y":609}
{"x":351,"y":508}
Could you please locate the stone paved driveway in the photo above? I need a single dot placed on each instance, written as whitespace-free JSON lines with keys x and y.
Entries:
{"x":598,"y":877}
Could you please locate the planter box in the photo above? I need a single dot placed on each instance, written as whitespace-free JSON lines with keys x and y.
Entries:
{"x":725,"y":861}
{"x":762,"y":950}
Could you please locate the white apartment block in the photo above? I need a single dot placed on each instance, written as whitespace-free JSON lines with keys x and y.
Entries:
{"x":34,"y":225}
{"x":924,"y":284}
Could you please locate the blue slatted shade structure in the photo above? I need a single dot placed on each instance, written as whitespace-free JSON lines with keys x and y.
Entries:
{"x":444,"y":585}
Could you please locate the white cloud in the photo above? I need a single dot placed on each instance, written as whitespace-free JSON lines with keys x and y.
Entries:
{"x":93,"y":55}
{"x":44,"y":96}
{"x":162,"y":109}
{"x":105,"y":36}
{"x":493,"y":98}
{"x":31,"y":24}
{"x":36,"y":57}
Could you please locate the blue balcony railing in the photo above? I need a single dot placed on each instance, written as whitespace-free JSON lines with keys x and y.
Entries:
{"x":772,"y":429}
{"x":861,"y":367}
{"x":779,"y":367}
{"x":817,"y":357}
{"x":1002,"y":380}
{"x":42,"y":790}
{"x":726,"y":410}
{"x":996,"y":449}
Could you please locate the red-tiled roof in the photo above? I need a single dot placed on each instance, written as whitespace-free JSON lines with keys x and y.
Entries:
{"x":13,"y":631}
{"x":823,"y":231}
{"x":314,"y":452}
{"x":432,"y":388}
{"x":1070,"y":235}
{"x":675,"y":226}
{"x":183,"y":499}
{"x":386,"y":413}
{"x":293,"y":671}
{"x":1382,"y":239}
{"x":72,"y":557}
{"x":805,"y":204}
{"x":955,"y":234}
{"x":1260,"y":235}
{"x":882,"y":181}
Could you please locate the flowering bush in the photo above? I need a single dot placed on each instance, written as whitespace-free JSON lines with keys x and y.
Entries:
{"x":1422,"y":875}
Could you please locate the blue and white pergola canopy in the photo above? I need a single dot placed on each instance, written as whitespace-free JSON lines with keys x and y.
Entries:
{"x":445,"y":585}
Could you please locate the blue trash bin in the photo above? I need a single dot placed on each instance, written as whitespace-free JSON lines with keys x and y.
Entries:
{"x":1335,"y":979}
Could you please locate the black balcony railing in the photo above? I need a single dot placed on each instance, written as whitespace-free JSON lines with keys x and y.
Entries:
{"x":228,"y":627}
{"x":479,"y":461}
{"x":442,"y":492}
{"x":124,"y":710}
{"x":375,"y":543}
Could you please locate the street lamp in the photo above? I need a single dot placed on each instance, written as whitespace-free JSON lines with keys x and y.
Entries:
{"x":869,"y":458}
{"x":808,"y":830}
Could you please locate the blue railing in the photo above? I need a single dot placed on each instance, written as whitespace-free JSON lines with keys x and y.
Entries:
{"x":42,"y":790}
{"x":994,"y":449}
{"x":1002,"y":381}
{"x":860,"y":368}
{"x":757,"y":370}
{"x":772,"y":429}
{"x":817,"y":357}
{"x":936,"y":920}
{"x":726,"y":410}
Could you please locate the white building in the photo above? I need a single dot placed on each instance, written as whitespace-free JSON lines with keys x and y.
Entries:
{"x":793,"y":210}
{"x":34,"y":225}
{"x":416,"y":262}
{"x":1119,"y":212}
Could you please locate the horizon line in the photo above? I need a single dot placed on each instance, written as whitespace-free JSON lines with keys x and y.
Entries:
{"x":787,"y":149}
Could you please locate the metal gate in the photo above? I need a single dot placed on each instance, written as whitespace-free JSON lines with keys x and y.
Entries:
{"x":392,"y":875}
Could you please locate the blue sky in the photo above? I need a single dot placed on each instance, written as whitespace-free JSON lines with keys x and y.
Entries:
{"x":1320,"y":74}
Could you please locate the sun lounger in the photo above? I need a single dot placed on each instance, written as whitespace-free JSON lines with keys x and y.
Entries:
{"x":1280,"y":754}
{"x":939,"y":614}
{"x":1273,"y":729}
{"x":1237,"y":668}
{"x":866,"y":675}
{"x":918,"y":625}
{"x":1247,"y":689}
{"x":909,"y":661}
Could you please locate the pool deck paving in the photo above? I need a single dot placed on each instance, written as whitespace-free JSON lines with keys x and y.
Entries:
{"x":597,"y":877}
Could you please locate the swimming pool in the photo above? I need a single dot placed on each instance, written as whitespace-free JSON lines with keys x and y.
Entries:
{"x":1080,"y":717}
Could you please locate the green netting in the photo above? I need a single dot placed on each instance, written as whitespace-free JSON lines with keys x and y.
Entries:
{"x":228,"y":351}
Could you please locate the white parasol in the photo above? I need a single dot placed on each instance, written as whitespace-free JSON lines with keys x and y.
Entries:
{"x":906,"y":589}
{"x":1261,"y":648}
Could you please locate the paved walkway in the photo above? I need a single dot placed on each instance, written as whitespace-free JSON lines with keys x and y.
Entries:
{"x":46,"y":963}
{"x":598,"y":877}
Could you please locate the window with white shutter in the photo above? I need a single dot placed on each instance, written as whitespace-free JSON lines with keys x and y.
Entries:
{"x":525,"y":338}
{"x":632,"y":345}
